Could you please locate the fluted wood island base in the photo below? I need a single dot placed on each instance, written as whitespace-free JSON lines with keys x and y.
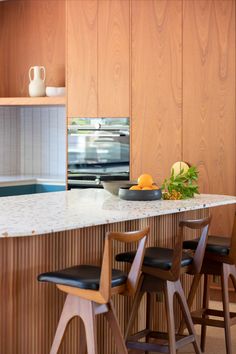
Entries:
{"x":29,"y":311}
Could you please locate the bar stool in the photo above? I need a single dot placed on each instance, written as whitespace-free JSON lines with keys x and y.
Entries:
{"x":161,"y":272}
{"x":220,"y":260}
{"x":89,"y":289}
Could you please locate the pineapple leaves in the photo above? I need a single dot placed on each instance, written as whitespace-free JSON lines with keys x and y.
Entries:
{"x":182,"y":185}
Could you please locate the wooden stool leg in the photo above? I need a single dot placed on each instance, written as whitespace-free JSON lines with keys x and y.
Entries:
{"x":75,"y":306}
{"x":148,"y":314}
{"x":225,"y":297}
{"x":205,"y":306}
{"x":87,"y":313}
{"x":191,"y":296}
{"x":82,"y":339}
{"x":113,"y":322}
{"x":137,"y":299}
{"x":186,"y":313}
{"x":67,"y":314}
{"x":169,"y":290}
{"x":149,"y":311}
{"x":233,"y":276}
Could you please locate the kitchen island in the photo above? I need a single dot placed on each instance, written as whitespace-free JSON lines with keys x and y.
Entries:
{"x":45,"y":232}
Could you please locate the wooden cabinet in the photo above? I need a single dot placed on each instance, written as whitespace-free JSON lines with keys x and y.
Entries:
{"x":113,"y":58}
{"x":98,"y":58}
{"x":31,"y":33}
{"x":156,"y":86}
{"x":209,"y":99}
{"x":82,"y":77}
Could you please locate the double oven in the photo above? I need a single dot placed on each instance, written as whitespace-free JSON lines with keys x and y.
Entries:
{"x":98,"y":150}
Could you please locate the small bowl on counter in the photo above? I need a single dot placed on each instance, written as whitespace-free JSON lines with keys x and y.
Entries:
{"x":139,"y":195}
{"x":114,"y":186}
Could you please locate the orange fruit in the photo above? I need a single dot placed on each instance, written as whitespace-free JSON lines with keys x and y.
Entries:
{"x":154,"y":186}
{"x":135,"y":188}
{"x":145,"y":180}
{"x":147,"y":188}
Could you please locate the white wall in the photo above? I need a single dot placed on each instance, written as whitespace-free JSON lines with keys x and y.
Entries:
{"x":33,"y":141}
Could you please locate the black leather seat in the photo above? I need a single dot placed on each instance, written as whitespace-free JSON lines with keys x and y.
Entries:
{"x":82,"y":276}
{"x":216,"y":244}
{"x":156,"y":257}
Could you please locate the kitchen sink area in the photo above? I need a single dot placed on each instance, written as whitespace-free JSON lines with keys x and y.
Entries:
{"x":20,"y":185}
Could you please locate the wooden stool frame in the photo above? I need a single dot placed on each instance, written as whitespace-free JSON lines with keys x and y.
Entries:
{"x":86,"y":304}
{"x":154,"y":280}
{"x":223,"y":266}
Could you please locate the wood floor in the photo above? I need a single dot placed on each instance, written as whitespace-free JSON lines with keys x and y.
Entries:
{"x":215,"y":343}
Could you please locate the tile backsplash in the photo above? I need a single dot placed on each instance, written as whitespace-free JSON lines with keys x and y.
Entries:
{"x":9,"y":141}
{"x":33,"y":140}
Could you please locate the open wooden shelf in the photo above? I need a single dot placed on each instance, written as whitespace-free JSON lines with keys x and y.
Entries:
{"x":32,"y":101}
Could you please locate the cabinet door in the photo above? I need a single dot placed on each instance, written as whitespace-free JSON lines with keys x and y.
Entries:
{"x":156,"y":86}
{"x":209,"y":100}
{"x":82,"y":58}
{"x":113,"y":58}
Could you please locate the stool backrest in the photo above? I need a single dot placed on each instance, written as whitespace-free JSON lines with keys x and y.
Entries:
{"x":232,"y":252}
{"x":200,"y":224}
{"x":135,"y":270}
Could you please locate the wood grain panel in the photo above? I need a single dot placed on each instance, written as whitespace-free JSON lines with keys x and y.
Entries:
{"x":2,"y":52}
{"x":156,"y":86}
{"x":113,"y":58}
{"x":30,"y":310}
{"x":82,"y":58}
{"x":32,"y":101}
{"x":32,"y":33}
{"x":209,"y":98}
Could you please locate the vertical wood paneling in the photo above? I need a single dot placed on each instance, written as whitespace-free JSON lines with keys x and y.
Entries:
{"x":209,"y":98}
{"x":82,"y":58}
{"x":32,"y":33}
{"x":2,"y":56}
{"x":7,"y":291}
{"x":113,"y":58}
{"x":156,"y":86}
{"x":30,"y":310}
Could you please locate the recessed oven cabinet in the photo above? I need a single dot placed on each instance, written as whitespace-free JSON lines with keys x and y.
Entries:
{"x":98,"y":149}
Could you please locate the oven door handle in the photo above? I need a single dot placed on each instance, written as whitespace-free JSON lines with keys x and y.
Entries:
{"x":100,"y":135}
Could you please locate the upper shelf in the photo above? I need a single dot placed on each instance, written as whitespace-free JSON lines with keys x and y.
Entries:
{"x":32,"y":101}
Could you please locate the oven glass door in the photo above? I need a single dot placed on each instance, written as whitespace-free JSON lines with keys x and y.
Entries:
{"x":98,"y":149}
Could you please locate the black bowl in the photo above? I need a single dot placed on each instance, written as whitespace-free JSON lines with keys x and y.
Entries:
{"x":126,"y":194}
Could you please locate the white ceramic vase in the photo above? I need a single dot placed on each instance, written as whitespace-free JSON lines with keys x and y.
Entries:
{"x":37,"y":82}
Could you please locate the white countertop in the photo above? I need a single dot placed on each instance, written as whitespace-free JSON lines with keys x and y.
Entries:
{"x":36,"y":214}
{"x":20,"y":180}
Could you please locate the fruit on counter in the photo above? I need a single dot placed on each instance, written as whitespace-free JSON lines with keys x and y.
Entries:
{"x":174,"y":195}
{"x":179,"y":166}
{"x":145,"y":182}
{"x":135,"y":188}
{"x":182,"y":185}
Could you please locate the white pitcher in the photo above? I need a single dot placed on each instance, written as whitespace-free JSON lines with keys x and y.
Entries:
{"x":37,"y":84}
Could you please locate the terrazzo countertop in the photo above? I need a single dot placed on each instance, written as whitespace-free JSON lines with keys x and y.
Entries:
{"x":37,"y":214}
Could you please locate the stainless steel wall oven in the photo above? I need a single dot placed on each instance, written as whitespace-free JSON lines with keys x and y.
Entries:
{"x":98,"y":150}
